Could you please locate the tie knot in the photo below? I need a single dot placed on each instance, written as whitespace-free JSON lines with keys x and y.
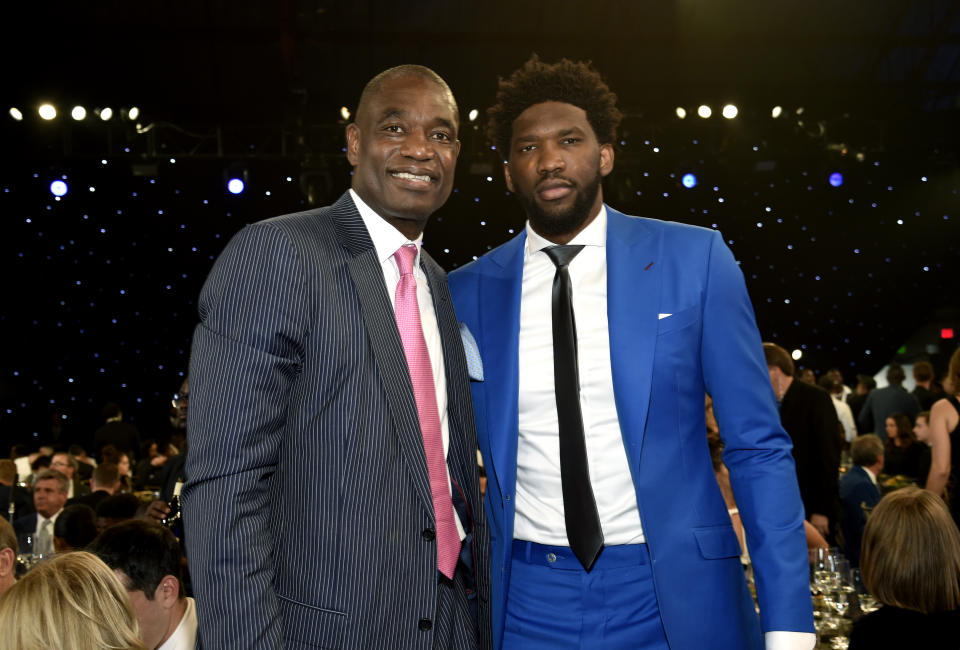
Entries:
{"x":561,"y":255}
{"x":405,"y":256}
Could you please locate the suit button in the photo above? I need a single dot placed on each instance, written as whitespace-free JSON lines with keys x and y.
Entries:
{"x":429,"y":534}
{"x":425,"y":624}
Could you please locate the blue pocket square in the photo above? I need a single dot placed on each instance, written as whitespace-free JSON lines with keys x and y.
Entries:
{"x":474,"y":363}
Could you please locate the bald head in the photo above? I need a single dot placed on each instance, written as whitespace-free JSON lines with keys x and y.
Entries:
{"x":405,"y":71}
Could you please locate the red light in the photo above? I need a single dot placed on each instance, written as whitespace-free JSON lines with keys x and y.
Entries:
{"x":946,"y":333}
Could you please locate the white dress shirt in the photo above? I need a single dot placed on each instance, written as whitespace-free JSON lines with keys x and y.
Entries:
{"x":185,"y":636}
{"x":539,"y":504}
{"x":386,"y":240}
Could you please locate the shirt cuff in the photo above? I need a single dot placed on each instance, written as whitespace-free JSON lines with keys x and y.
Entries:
{"x":778,"y":640}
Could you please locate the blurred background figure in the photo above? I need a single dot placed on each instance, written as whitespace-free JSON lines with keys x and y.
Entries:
{"x":114,"y":456}
{"x":104,"y":482}
{"x":75,"y":528}
{"x":926,"y":391}
{"x":85,"y":464}
{"x":11,"y":493}
{"x":147,"y":559}
{"x":880,"y":403}
{"x":905,"y":455}
{"x":837,"y":376}
{"x":808,"y":376}
{"x":865,"y":384}
{"x":116,"y":508}
{"x":911,"y":564}
{"x":859,"y":492}
{"x":921,"y":427}
{"x":67,"y":465}
{"x":834,"y":388}
{"x":8,"y":556}
{"x":71,"y":602}
{"x":49,"y":497}
{"x":945,"y":439}
{"x":116,"y":432}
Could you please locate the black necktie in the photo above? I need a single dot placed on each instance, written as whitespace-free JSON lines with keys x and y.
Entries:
{"x":579,"y":507}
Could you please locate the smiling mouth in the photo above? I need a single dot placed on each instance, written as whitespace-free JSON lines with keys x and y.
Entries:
{"x":407,"y":176}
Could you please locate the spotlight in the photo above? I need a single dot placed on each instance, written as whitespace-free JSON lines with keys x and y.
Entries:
{"x":730,"y":111}
{"x":47,"y":111}
{"x":704,"y":111}
{"x":235,"y":186}
{"x":58,"y":188}
{"x":133,"y":113}
{"x":344,"y":113}
{"x":473,"y":115}
{"x":16,"y":114}
{"x":78,"y":113}
{"x":689,"y":181}
{"x":836,"y":179}
{"x":776,"y":112}
{"x":681,"y":112}
{"x":796,"y":354}
{"x":106,"y":113}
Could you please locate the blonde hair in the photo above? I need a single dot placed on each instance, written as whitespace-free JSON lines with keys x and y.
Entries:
{"x":69,"y":602}
{"x":911,"y":552}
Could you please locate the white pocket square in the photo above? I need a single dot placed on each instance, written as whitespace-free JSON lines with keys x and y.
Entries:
{"x":662,"y":316}
{"x":472,"y":352}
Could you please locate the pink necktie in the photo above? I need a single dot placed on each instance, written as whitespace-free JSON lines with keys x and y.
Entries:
{"x":421,"y":376}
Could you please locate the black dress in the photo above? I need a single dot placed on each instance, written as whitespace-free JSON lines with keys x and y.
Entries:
{"x":904,"y":629}
{"x":912,"y":462}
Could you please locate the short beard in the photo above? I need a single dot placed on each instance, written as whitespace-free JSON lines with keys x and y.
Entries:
{"x":570,"y":221}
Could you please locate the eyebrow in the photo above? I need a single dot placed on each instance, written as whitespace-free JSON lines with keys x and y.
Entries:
{"x":401,"y":113}
{"x":573,"y":130}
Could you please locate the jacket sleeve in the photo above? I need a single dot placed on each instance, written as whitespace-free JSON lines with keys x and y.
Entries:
{"x":247,"y":351}
{"x":825,"y":453}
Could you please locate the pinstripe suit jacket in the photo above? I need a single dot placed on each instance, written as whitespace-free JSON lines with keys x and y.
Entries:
{"x":307,"y":491}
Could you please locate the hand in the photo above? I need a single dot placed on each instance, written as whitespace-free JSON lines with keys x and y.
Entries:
{"x":157,"y":511}
{"x":821,"y":523}
{"x":157,"y":461}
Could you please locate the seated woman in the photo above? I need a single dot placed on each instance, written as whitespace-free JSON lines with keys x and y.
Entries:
{"x":72,"y":601}
{"x":904,"y":454}
{"x":910,"y":562}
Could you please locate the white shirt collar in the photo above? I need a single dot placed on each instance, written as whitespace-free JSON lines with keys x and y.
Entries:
{"x":595,"y":234}
{"x":386,"y":239}
{"x":872,"y":476}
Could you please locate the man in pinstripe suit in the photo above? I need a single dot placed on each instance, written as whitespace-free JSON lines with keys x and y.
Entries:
{"x":308,"y":503}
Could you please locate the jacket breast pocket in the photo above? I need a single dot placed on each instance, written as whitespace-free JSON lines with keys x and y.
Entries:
{"x":310,"y":627}
{"x":678,"y":320}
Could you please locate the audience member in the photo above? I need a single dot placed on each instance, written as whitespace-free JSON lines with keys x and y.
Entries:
{"x":116,"y":432}
{"x":110,"y":454}
{"x":865,"y":384}
{"x":40,"y":464}
{"x":905,"y":455}
{"x":72,"y":602}
{"x":116,"y":508}
{"x":834,"y":388}
{"x":811,"y":421}
{"x":926,"y":391}
{"x":25,"y":461}
{"x":882,"y":402}
{"x":808,"y":376}
{"x":10,"y":492}
{"x":75,"y":528}
{"x":147,"y":559}
{"x":859,"y":490}
{"x":104,"y":482}
{"x":49,"y":497}
{"x":911,"y":564}
{"x":921,"y":427}
{"x":69,"y":467}
{"x":945,"y":438}
{"x":150,"y":468}
{"x":85,"y":464}
{"x":837,"y":376}
{"x":8,"y":556}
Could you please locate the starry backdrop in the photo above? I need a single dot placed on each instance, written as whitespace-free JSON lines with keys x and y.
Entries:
{"x":844,"y":220}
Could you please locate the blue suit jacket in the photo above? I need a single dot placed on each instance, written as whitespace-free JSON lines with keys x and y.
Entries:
{"x":661,"y":369}
{"x":307,"y":502}
{"x":855,"y":488}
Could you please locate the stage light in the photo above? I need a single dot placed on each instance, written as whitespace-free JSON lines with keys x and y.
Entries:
{"x":836,"y":179}
{"x":16,"y":114}
{"x":689,"y":181}
{"x":730,"y":111}
{"x":946,"y":333}
{"x":344,"y":112}
{"x":133,"y":113}
{"x":235,"y":186}
{"x":681,"y":112}
{"x":106,"y":113}
{"x":78,"y":113}
{"x":473,"y":115}
{"x":704,"y":111}
{"x":47,"y":111}
{"x":796,"y":354}
{"x":58,"y":188}
{"x":776,"y":112}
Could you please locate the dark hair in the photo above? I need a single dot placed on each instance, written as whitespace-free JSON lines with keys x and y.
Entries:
{"x":118,"y":506}
{"x":570,"y":82}
{"x":111,"y":410}
{"x":777,"y":357}
{"x":18,"y":450}
{"x":40,"y":463}
{"x":76,"y":525}
{"x":923,"y":371}
{"x":77,"y":450}
{"x":143,"y":550}
{"x":865,"y":450}
{"x":867,"y":381}
{"x":829,"y":384}
{"x":105,"y":474}
{"x":895,"y":374}
{"x":904,"y":427}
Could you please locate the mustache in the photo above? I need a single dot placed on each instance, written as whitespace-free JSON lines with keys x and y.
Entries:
{"x":555,"y":176}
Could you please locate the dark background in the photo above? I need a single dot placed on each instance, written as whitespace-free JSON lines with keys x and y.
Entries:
{"x":101,"y":285}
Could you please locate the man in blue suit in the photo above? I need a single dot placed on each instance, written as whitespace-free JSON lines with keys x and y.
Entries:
{"x":332,"y":498}
{"x":859,"y":489}
{"x":593,"y":337}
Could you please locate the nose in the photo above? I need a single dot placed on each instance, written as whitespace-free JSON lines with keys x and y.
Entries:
{"x":418,"y":145}
{"x":550,"y":159}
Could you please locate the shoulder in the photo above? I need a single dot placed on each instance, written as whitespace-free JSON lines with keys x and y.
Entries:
{"x":672,"y":233}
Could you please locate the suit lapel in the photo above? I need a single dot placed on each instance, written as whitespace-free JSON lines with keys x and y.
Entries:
{"x":381,"y":326}
{"x":500,"y":290}
{"x":634,"y":278}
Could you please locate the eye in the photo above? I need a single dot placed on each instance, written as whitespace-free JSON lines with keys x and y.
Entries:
{"x":442,"y":136}
{"x":570,"y":140}
{"x":393,"y":128}
{"x":527,"y":148}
